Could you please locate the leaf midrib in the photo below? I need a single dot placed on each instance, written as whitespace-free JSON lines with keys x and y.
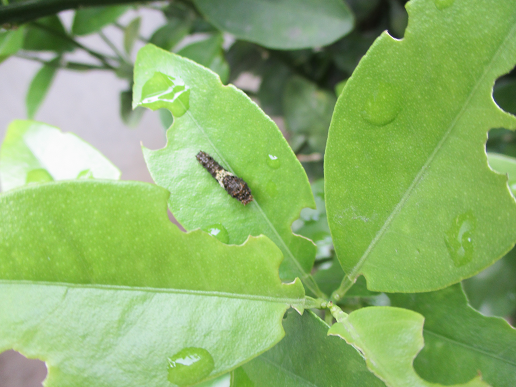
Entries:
{"x":205,"y":293}
{"x":355,"y":271}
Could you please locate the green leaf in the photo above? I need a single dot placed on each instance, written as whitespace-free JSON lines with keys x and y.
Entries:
{"x":313,"y":223}
{"x":11,"y":42}
{"x":225,"y":123}
{"x":281,"y":24}
{"x":244,"y":57}
{"x":460,"y":342}
{"x":208,"y":53}
{"x":318,"y":360}
{"x":389,"y":340}
{"x":131,"y":33}
{"x":412,"y":203}
{"x":39,"y":86}
{"x":308,"y":111}
{"x":169,"y":35}
{"x":129,"y":116}
{"x":96,"y":281}
{"x":32,"y":150}
{"x":90,"y":20}
{"x":47,"y":34}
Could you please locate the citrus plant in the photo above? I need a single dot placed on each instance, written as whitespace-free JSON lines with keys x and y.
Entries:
{"x":97,"y":282}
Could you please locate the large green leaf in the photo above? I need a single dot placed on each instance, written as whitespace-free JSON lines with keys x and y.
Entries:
{"x":225,"y":123}
{"x":308,"y":357}
{"x":460,"y":343}
{"x":281,"y":24}
{"x":39,"y":86}
{"x":97,"y":282}
{"x":90,"y":20}
{"x":389,"y":340}
{"x":36,"y":152}
{"x":412,"y":203}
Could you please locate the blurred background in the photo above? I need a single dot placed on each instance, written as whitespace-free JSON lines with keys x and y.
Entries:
{"x":74,"y":71}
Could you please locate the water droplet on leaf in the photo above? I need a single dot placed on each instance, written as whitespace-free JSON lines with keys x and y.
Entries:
{"x":459,"y":239}
{"x":218,"y":231}
{"x":39,"y":175}
{"x":189,"y":366}
{"x":443,"y":4}
{"x":165,"y":91}
{"x":273,"y":161}
{"x":272,"y":189}
{"x":383,"y":105}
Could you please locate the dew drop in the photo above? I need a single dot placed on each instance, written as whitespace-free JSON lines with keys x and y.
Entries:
{"x":443,"y":4}
{"x":218,"y":231}
{"x":459,"y":239}
{"x":273,"y":161}
{"x":189,"y":366}
{"x":165,"y":91}
{"x":39,"y":175}
{"x":272,"y":189}
{"x":383,"y":105}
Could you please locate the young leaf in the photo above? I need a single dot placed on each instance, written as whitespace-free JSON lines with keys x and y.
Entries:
{"x":96,"y":281}
{"x":389,"y":340}
{"x":208,"y":53}
{"x":11,"y":42}
{"x":131,"y":34}
{"x":37,"y":152}
{"x":39,"y":86}
{"x":319,"y":360}
{"x":225,"y":123}
{"x":412,"y":203}
{"x":460,"y":342}
{"x":90,"y":20}
{"x":47,"y":34}
{"x":281,"y":24}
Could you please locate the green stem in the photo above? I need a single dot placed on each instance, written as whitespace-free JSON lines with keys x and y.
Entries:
{"x":345,"y":285}
{"x":315,"y":303}
{"x":22,"y":12}
{"x":121,"y":57}
{"x":93,"y":53}
{"x":337,"y":313}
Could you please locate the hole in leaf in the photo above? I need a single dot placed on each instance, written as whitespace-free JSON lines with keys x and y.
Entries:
{"x":501,"y":140}
{"x":18,"y":371}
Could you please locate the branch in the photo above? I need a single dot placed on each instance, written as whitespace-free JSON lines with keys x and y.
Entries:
{"x":19,"y":13}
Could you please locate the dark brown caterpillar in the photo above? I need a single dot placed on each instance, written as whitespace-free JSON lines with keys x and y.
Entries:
{"x":235,"y":186}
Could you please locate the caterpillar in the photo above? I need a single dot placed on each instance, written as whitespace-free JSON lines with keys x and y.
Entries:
{"x":235,"y":186}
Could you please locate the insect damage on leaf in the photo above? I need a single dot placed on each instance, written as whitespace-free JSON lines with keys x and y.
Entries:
{"x":234,"y":185}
